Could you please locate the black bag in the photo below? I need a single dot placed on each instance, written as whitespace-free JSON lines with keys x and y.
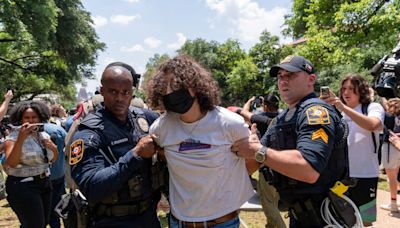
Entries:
{"x":73,"y":208}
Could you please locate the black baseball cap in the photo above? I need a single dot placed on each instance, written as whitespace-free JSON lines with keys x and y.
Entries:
{"x":135,"y":76}
{"x":293,"y":64}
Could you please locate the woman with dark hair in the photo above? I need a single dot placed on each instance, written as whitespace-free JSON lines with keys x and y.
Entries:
{"x":29,"y":153}
{"x":208,"y":183}
{"x":363,"y":159}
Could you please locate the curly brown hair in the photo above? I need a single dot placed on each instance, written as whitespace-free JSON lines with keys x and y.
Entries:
{"x":394,"y":106}
{"x":55,"y":110}
{"x":361,"y":87}
{"x":187,"y":74}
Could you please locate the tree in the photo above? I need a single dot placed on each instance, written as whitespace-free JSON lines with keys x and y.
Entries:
{"x":45,"y":44}
{"x":220,"y":59}
{"x":266,"y":53}
{"x":341,"y":33}
{"x":202,"y":51}
{"x":242,"y":82}
{"x":151,"y":67}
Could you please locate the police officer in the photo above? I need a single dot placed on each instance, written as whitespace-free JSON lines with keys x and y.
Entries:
{"x":303,"y":150}
{"x":111,"y":154}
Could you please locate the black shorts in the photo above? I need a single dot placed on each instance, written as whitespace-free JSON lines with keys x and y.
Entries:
{"x":364,"y":197}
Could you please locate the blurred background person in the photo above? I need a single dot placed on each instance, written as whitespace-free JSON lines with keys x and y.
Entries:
{"x":391,"y":154}
{"x":4,"y":106}
{"x":29,"y":154}
{"x":58,"y":168}
{"x":58,"y":115}
{"x":270,"y":105}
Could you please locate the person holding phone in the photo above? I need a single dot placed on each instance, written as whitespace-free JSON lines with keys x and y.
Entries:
{"x":363,"y":158}
{"x":29,"y":154}
{"x":391,"y":155}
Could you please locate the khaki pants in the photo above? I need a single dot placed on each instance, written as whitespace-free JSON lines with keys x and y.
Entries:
{"x":269,"y":200}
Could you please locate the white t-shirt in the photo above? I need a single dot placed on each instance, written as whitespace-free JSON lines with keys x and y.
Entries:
{"x":363,"y":161}
{"x":207,"y":180}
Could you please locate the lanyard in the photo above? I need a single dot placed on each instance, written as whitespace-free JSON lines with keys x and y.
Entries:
{"x":44,"y":150}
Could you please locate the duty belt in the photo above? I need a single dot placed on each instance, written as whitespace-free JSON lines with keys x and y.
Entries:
{"x":210,"y":223}
{"x":123,"y":210}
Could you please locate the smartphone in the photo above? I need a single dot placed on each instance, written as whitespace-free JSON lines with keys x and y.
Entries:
{"x":324,"y":92}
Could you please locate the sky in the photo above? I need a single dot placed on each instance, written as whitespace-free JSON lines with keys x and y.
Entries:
{"x":135,"y":30}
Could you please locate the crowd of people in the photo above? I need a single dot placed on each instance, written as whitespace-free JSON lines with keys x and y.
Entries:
{"x":123,"y":156}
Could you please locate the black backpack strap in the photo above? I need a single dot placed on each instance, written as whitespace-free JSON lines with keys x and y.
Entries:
{"x":364,"y":110}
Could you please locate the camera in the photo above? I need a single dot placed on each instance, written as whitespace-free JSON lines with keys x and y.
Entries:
{"x":257,"y":102}
{"x":387,"y":73}
{"x":39,"y":127}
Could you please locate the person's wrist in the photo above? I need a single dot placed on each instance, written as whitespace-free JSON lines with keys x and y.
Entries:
{"x":136,"y":154}
{"x":340,"y":107}
{"x":238,"y":111}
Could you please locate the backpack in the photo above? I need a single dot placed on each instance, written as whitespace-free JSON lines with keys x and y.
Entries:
{"x":388,"y":124}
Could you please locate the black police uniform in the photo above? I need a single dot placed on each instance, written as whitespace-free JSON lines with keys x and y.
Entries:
{"x":122,"y":190}
{"x":316,"y":130}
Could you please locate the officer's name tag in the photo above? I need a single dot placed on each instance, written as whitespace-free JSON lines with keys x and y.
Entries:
{"x":184,"y":146}
{"x":119,"y":141}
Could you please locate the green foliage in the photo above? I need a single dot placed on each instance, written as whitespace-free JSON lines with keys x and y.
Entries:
{"x":45,"y":44}
{"x":151,"y":67}
{"x":344,"y":33}
{"x":341,"y":37}
{"x":201,"y":50}
{"x":266,"y":53}
{"x":243,"y":82}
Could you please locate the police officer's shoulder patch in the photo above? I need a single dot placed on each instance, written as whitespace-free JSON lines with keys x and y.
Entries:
{"x":76,"y":151}
{"x":144,"y":126}
{"x":318,"y":114}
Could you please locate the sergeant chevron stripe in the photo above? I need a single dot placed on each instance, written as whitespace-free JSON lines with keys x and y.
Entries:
{"x":320,"y":134}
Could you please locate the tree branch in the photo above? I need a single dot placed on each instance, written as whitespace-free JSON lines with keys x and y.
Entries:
{"x":3,"y":40}
{"x":13,"y":63}
{"x":25,"y":57}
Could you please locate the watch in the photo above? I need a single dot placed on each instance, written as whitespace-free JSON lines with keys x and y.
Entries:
{"x":260,"y":156}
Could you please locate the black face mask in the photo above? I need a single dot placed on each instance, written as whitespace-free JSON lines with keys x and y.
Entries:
{"x":178,"y":101}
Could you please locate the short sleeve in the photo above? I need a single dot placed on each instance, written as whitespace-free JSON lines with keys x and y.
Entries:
{"x":316,"y":135}
{"x":376,"y":110}
{"x":236,"y":127}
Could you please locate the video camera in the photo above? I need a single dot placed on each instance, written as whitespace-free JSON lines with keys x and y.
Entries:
{"x":387,"y":74}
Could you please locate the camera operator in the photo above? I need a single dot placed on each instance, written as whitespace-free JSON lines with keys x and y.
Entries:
{"x":270,"y":108}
